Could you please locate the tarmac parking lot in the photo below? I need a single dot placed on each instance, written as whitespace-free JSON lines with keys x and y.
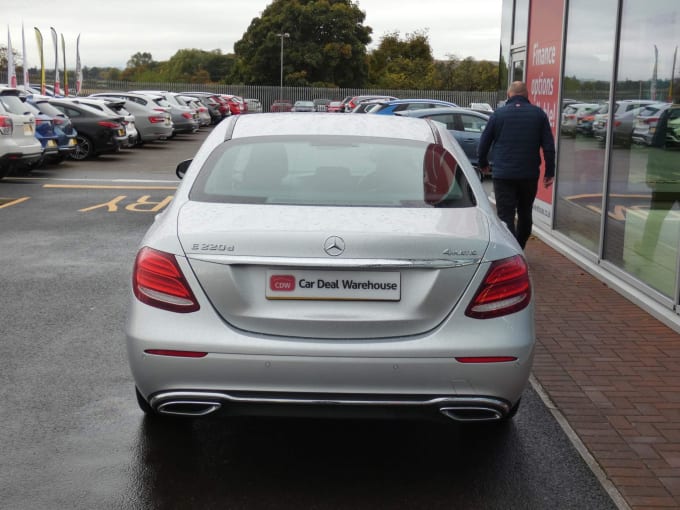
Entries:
{"x":73,"y":436}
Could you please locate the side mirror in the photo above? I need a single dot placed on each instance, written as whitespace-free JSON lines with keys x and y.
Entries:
{"x":182,"y":168}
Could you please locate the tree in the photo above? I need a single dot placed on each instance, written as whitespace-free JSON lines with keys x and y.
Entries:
{"x":402,"y":64}
{"x":467,"y":74}
{"x":140,"y":59}
{"x":326,"y":44}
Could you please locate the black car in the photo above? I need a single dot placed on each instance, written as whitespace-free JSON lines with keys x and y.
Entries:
{"x":98,"y":132}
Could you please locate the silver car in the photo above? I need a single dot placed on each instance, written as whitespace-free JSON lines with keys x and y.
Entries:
{"x":345,"y":265}
{"x":153,"y":122}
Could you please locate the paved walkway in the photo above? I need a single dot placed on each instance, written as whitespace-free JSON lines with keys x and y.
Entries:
{"x":613,"y":371}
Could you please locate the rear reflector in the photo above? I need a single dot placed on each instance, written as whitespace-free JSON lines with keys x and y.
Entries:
{"x":506,"y":289}
{"x":486,"y":359}
{"x":176,"y":354}
{"x":157,"y":280}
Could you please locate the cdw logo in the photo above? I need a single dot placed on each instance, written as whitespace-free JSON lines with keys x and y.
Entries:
{"x":282,"y":282}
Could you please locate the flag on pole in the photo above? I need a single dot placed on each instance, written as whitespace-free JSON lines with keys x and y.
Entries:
{"x":41,"y":54}
{"x":670,"y":89}
{"x":11,"y":70}
{"x":63,"y":55}
{"x":79,"y":70}
{"x":25,"y":61}
{"x":57,"y":89}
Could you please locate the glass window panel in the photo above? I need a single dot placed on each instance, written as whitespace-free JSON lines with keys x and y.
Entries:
{"x":521,"y":25}
{"x":585,"y":91}
{"x":643,"y":211}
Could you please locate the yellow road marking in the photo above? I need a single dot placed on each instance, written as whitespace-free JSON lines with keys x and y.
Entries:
{"x":101,"y":186}
{"x":12,"y":201}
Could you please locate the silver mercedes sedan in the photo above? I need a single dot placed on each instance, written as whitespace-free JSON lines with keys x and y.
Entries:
{"x":335,"y":266}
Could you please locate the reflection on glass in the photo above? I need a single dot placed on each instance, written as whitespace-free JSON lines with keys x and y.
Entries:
{"x":521,"y":25}
{"x":585,"y":92}
{"x":518,"y":69}
{"x":643,"y":211}
{"x":506,"y":41}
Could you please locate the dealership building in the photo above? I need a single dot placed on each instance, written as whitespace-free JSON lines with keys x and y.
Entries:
{"x":615,"y":205}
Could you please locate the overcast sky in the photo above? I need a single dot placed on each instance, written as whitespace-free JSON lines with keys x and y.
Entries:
{"x":111,"y":34}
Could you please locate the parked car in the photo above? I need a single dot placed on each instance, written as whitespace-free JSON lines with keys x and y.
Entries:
{"x":351,"y":102}
{"x":115,"y":107}
{"x":235,"y":103}
{"x":152,"y":121}
{"x":335,"y":107}
{"x":464,"y":124}
{"x":44,"y":132}
{"x":303,"y":106}
{"x":625,"y":111}
{"x":481,"y":107}
{"x":217,"y":109}
{"x":321,"y":105}
{"x":572,"y":117}
{"x":281,"y":105}
{"x":673,"y":127}
{"x":304,"y":294}
{"x":183,"y":120}
{"x":18,"y":145}
{"x":400,"y":105}
{"x":366,"y":105}
{"x":62,"y":125}
{"x":646,"y":121}
{"x":98,"y":132}
{"x":254,"y":105}
{"x":201,"y":110}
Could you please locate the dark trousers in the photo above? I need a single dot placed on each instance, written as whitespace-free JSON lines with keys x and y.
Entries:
{"x":515,"y":197}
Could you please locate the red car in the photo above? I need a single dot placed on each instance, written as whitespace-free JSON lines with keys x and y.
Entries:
{"x":335,"y":107}
{"x":281,"y":105}
{"x":236,"y":104}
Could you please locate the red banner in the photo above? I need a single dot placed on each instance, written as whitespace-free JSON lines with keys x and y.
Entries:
{"x":544,"y":56}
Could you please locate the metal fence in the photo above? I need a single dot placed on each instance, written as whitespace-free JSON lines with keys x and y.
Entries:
{"x":267,"y":95}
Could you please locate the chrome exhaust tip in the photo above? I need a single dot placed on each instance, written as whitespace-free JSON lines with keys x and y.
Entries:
{"x":194,"y":408}
{"x":471,"y":414}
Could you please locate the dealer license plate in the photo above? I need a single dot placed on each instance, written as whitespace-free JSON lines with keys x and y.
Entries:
{"x":334,"y":285}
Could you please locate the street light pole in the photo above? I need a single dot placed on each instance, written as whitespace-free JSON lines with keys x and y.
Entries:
{"x":282,"y":35}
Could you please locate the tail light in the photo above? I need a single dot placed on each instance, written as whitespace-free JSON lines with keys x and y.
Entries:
{"x":506,"y":289}
{"x":58,"y":122}
{"x":157,"y":280}
{"x":109,"y":124}
{"x":156,"y":119}
{"x":187,"y":115}
{"x":617,"y":123}
{"x":6,"y":125}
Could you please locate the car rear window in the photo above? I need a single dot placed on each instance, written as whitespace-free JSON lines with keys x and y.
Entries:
{"x":13,"y":104}
{"x":332,"y":171}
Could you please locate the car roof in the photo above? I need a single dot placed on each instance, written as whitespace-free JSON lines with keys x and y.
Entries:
{"x":446,"y":109}
{"x":381,"y":126}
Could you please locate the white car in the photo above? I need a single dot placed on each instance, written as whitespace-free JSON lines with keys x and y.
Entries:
{"x":18,"y":143}
{"x":345,"y":265}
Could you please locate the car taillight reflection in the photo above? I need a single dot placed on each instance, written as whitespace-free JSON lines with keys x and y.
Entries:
{"x":157,"y":280}
{"x":506,"y":289}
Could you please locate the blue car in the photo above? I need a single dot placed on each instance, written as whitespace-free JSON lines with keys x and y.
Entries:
{"x":44,"y":132}
{"x":63,"y":128}
{"x":403,"y":105}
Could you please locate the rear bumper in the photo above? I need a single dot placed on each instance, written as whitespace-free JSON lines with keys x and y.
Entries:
{"x":437,"y":408}
{"x":346,"y":386}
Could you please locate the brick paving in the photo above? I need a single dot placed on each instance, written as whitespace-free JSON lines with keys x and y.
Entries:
{"x":613,"y":371}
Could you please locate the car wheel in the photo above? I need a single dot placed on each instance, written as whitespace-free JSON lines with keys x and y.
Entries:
{"x":83,"y":150}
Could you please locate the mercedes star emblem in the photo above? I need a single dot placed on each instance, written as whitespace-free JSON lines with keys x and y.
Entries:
{"x":334,"y":246}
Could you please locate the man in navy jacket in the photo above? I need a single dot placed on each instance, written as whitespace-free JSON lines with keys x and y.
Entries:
{"x":517,"y":132}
